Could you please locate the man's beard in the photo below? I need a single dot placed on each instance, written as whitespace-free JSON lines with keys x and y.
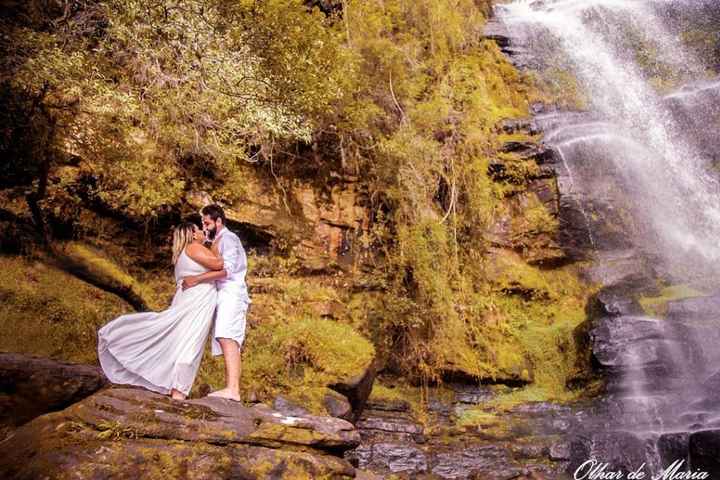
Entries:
{"x":211,"y":233}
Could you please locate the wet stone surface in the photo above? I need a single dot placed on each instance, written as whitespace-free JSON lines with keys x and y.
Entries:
{"x":531,"y":440}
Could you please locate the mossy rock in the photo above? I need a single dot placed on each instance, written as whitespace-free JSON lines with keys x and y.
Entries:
{"x":77,"y":453}
{"x":32,"y":386}
{"x":316,"y":400}
{"x":657,"y":306}
{"x":300,"y":357}
{"x":97,"y":269}
{"x":131,"y":433}
{"x":48,"y":312}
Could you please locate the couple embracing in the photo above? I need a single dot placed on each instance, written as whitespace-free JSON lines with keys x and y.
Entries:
{"x":161,"y":351}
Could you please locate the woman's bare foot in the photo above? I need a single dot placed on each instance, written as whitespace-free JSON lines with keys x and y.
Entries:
{"x":225,"y":393}
{"x":177,"y":395}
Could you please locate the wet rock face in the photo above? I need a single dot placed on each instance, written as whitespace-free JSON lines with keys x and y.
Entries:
{"x":704,"y":451}
{"x":662,"y":400}
{"x":694,"y":107}
{"x":132,"y":433}
{"x":622,"y":451}
{"x":525,"y":443}
{"x":700,"y":308}
{"x":31,"y":386}
{"x":518,"y":54}
{"x":537,"y":244}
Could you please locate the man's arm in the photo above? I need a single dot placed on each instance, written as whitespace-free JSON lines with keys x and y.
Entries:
{"x":233,"y":256}
{"x":211,"y":276}
{"x":191,"y":281}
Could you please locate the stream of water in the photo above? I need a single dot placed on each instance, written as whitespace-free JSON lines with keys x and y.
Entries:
{"x":642,"y":156}
{"x":656,"y":154}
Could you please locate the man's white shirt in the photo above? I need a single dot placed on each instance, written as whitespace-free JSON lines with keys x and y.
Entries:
{"x":235,"y":263}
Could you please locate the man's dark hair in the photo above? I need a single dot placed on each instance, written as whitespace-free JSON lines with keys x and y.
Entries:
{"x":214,"y":212}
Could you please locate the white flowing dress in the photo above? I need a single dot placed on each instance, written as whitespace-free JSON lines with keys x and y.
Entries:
{"x":161,"y":350}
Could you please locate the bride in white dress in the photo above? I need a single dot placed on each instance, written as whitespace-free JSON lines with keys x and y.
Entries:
{"x":162,"y":351}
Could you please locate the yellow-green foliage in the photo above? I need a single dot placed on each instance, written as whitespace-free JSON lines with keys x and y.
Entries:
{"x":542,"y":317}
{"x":150,"y":96}
{"x":45,"y":311}
{"x":408,"y":93}
{"x":285,"y":355}
{"x":430,"y":93}
{"x":561,"y":87}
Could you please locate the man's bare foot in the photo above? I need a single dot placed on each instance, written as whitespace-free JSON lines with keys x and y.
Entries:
{"x":177,"y":395}
{"x":225,"y":393}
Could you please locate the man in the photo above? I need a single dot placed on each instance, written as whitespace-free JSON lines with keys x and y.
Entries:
{"x":233,"y":299}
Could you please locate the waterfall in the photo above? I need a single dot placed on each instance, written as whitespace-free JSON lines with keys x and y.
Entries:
{"x":665,"y":177}
{"x":641,"y":158}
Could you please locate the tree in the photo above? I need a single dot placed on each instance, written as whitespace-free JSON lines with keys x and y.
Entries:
{"x":146,"y":95}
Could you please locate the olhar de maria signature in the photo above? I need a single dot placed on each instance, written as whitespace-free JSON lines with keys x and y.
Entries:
{"x":594,"y":470}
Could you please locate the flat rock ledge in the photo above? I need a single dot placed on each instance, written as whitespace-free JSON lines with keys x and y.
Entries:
{"x":120,"y":433}
{"x":31,"y":386}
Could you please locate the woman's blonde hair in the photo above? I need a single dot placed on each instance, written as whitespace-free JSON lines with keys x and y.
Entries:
{"x":182,"y":237}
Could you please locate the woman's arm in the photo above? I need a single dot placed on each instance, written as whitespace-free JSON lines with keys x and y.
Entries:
{"x":205,"y":257}
{"x":191,"y":281}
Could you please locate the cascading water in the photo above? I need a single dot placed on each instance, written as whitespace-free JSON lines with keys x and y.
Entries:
{"x":642,"y":163}
{"x":665,"y":170}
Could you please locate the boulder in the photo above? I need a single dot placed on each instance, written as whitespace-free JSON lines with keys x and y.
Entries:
{"x":672,"y":447}
{"x":337,"y":405}
{"x":622,"y":451}
{"x":330,"y":402}
{"x":626,"y":271}
{"x":704,"y":449}
{"x":31,"y":386}
{"x":635,"y":342}
{"x":133,"y":433}
{"x":357,"y":388}
{"x":288,"y":407}
{"x":515,"y":125}
{"x":539,"y":152}
{"x":613,"y":302}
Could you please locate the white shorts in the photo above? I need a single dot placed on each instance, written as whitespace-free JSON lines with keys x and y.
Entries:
{"x":229,"y":319}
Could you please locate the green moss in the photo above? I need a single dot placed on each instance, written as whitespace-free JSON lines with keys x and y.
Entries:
{"x":45,"y":311}
{"x":296,"y":353}
{"x":517,"y":170}
{"x":657,"y":306}
{"x":114,"y":430}
{"x":541,"y":311}
{"x":487,"y":424}
{"x":104,"y":271}
{"x":560,"y":87}
{"x":477,"y":417}
{"x":513,"y":273}
{"x":415,"y":397}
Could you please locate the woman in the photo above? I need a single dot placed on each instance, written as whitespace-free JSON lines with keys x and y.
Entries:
{"x":162,"y":351}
